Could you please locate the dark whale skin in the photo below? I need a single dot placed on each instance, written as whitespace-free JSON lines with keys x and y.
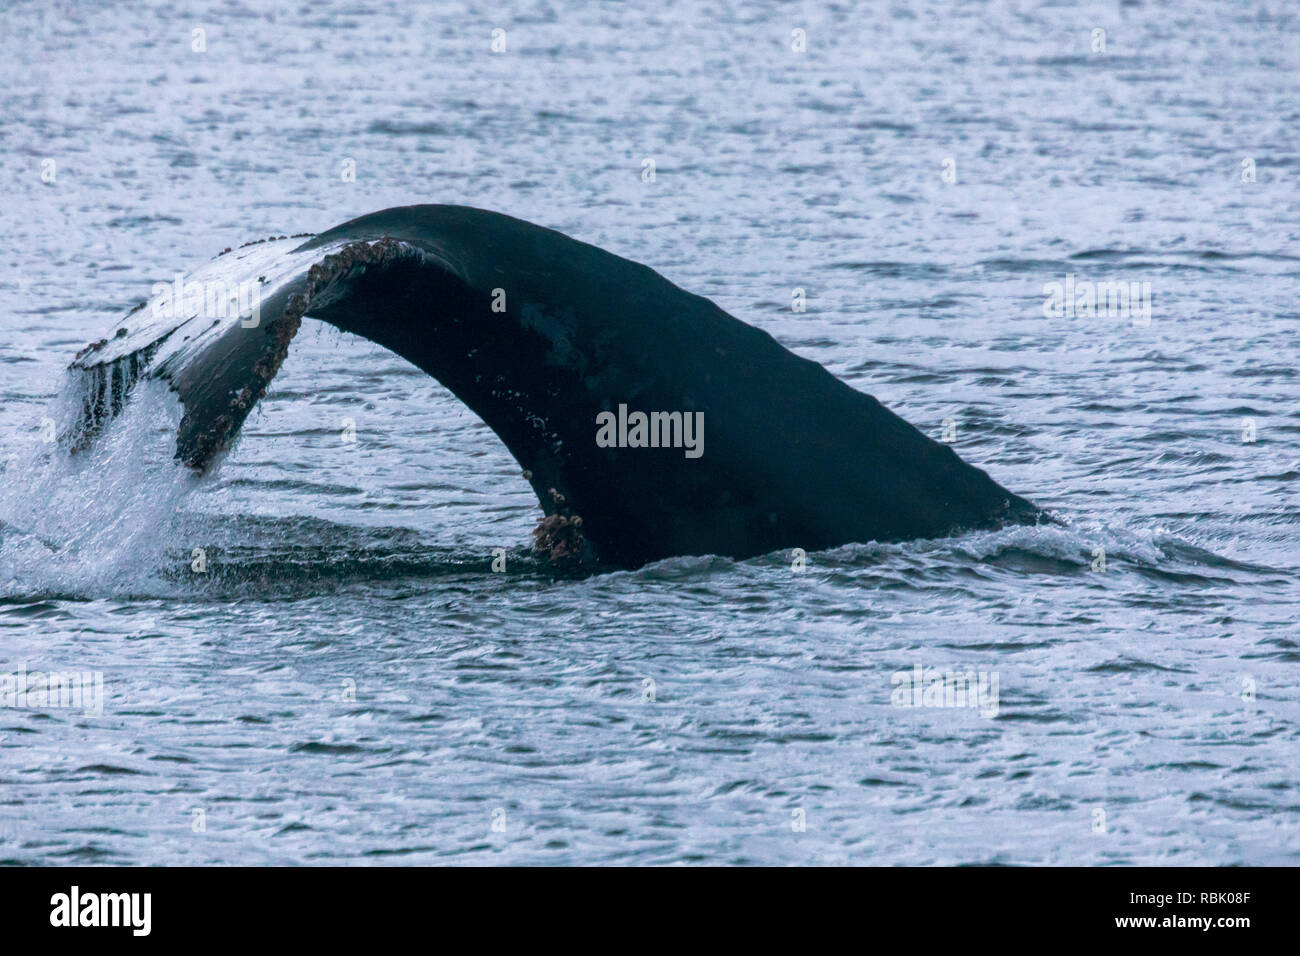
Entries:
{"x":793,"y":457}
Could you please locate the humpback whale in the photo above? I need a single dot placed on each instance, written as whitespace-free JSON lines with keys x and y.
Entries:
{"x":590,"y":368}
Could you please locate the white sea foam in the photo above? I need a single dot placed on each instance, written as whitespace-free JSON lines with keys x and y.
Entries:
{"x":94,"y":520}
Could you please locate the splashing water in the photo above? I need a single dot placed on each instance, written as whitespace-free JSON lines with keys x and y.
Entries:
{"x":97,"y":520}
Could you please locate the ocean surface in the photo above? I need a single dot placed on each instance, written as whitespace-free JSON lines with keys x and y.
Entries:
{"x":307,"y":658}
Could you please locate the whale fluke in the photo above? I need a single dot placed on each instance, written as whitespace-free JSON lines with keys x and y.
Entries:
{"x":745,"y":448}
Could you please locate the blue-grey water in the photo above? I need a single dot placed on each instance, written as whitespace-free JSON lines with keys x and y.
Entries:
{"x":347,"y":679}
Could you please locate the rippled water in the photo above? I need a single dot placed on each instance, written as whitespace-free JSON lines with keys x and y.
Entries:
{"x":1146,"y":713}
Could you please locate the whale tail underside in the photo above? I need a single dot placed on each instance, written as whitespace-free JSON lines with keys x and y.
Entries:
{"x":218,"y":338}
{"x":647,"y":420}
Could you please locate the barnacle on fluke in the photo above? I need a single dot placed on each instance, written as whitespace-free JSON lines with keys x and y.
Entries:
{"x":543,"y":337}
{"x":209,"y":425}
{"x":558,"y":535}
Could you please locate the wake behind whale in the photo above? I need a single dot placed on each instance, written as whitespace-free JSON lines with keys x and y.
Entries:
{"x":602,"y":378}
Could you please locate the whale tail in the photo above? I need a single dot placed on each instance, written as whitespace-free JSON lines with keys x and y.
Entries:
{"x":217,"y":336}
{"x":600,"y":376}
